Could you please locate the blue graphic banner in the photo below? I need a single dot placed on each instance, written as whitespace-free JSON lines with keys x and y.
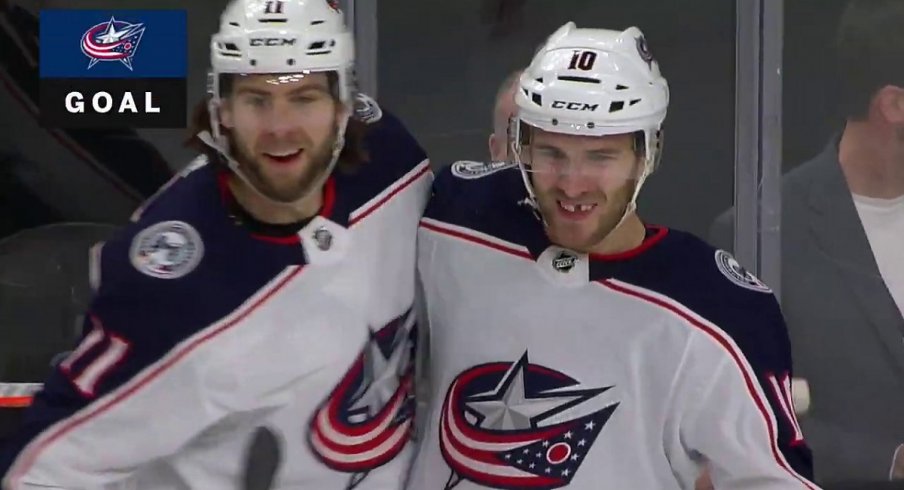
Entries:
{"x":113,"y":43}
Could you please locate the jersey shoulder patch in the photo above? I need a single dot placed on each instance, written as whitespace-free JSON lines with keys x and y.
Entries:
{"x":165,"y":241}
{"x":468,"y":169}
{"x":166,"y":250}
{"x":366,"y":109}
{"x":736,"y":273}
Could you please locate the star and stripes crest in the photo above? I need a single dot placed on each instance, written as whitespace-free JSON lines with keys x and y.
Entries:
{"x":367,"y":419}
{"x":114,"y":40}
{"x":506,"y":425}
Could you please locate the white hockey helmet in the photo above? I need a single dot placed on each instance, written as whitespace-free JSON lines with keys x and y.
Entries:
{"x":592,"y":82}
{"x":283,"y":36}
{"x":280,"y":37}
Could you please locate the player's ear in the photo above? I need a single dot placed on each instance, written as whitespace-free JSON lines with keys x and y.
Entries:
{"x":492,"y":144}
{"x":224,"y":113}
{"x":889,"y":100}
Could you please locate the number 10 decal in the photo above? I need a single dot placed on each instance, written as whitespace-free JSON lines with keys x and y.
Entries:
{"x":582,"y":60}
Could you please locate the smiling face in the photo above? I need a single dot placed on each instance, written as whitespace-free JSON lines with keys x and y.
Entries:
{"x":282,"y":130}
{"x":583,"y":184}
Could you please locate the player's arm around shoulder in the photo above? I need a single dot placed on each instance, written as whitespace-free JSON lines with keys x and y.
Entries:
{"x":133,"y":390}
{"x":736,"y":407}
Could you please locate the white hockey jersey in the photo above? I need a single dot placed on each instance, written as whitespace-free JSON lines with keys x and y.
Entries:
{"x":552,"y":369}
{"x":204,"y":337}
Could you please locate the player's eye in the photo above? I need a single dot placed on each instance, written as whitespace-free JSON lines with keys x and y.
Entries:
{"x":550,"y":154}
{"x":600,"y":158}
{"x":256,"y":101}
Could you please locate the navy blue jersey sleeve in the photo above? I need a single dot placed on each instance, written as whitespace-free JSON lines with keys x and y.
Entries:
{"x":136,"y":388}
{"x":740,"y":411}
{"x":466,"y":192}
{"x":389,"y":138}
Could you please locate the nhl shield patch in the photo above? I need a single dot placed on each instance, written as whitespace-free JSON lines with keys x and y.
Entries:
{"x":736,"y":273}
{"x":167,"y":250}
{"x":467,"y":169}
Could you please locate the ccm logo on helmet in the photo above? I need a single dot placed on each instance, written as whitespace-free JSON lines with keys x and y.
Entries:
{"x":272,"y":41}
{"x":574,"y":106}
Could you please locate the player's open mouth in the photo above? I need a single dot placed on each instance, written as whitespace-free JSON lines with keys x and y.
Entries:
{"x":575,"y":210}
{"x":287,"y":156}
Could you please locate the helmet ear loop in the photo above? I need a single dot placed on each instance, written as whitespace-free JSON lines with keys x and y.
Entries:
{"x":518,"y":139}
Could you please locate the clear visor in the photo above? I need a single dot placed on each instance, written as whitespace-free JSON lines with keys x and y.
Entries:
{"x":278,"y":101}
{"x":608,"y":158}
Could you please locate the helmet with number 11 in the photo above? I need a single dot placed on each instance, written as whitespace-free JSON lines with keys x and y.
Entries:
{"x":281,"y":94}
{"x":588,"y":132}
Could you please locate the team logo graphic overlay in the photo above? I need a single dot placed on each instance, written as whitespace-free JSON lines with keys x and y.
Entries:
{"x":367,"y":419}
{"x":114,"y":40}
{"x":493,"y":430}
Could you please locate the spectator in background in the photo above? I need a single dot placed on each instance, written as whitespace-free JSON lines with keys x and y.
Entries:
{"x":503,"y":109}
{"x":843,"y":259}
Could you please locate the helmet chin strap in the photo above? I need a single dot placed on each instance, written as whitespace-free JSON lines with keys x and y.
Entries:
{"x":218,"y":142}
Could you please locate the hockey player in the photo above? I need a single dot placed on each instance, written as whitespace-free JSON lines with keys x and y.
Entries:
{"x":265,"y":294}
{"x":574,"y":345}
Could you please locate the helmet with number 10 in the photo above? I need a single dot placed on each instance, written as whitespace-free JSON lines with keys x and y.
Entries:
{"x":588,"y":131}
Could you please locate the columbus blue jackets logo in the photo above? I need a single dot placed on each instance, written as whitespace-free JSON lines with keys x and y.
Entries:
{"x":367,"y":420}
{"x":114,"y":40}
{"x":736,"y":273}
{"x":467,"y":169}
{"x":495,"y":427}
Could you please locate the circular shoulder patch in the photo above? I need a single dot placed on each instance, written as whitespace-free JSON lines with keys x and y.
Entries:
{"x":366,"y":109}
{"x":730,"y":268}
{"x":467,"y":169}
{"x":167,"y":250}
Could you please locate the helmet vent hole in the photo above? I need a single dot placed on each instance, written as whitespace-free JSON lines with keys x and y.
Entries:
{"x":566,"y":78}
{"x":231,"y":46}
{"x":317,"y":45}
{"x":633,"y":102}
{"x":234,"y":24}
{"x":273,"y":21}
{"x":537,"y":98}
{"x":317,"y":22}
{"x":621,"y":87}
{"x":616,"y":106}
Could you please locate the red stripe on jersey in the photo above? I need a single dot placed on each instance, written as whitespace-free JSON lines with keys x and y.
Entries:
{"x":475,"y":239}
{"x":355,"y":217}
{"x":28,"y":458}
{"x":720,"y":338}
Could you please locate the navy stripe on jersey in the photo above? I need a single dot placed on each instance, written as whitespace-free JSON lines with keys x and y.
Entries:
{"x":670,"y":263}
{"x":135,"y":319}
{"x":683,"y":268}
{"x":392,"y":151}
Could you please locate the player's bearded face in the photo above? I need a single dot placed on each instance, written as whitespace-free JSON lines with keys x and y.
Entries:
{"x":282,"y":128}
{"x":583,"y":184}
